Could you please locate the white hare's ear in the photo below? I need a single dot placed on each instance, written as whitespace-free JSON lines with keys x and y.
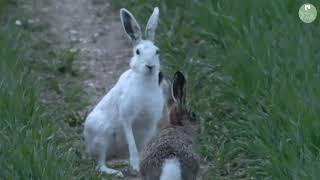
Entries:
{"x":131,"y":26}
{"x":152,"y":24}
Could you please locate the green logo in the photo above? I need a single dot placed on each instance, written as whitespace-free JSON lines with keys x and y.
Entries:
{"x":307,"y":13}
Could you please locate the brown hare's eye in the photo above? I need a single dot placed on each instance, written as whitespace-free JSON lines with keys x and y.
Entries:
{"x":137,"y":52}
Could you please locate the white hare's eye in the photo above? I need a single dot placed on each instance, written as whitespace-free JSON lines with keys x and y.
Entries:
{"x":158,"y":52}
{"x":137,"y":52}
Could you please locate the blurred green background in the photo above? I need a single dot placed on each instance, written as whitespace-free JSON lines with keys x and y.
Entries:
{"x":253,"y":73}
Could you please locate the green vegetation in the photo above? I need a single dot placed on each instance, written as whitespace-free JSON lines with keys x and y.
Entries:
{"x":29,"y":148}
{"x":5,"y":3}
{"x":253,"y":76}
{"x":40,"y":139}
{"x":67,"y":58}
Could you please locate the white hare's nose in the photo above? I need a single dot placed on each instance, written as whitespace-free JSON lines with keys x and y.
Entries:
{"x":149,"y":67}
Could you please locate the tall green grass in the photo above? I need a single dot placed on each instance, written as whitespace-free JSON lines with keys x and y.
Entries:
{"x":28,"y":146}
{"x":253,"y":71}
{"x":5,"y":3}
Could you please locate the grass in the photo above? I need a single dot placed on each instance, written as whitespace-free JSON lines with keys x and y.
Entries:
{"x":5,"y":3}
{"x":253,"y":77}
{"x":62,"y":96}
{"x":45,"y":140}
{"x":29,"y":148}
{"x":67,"y":58}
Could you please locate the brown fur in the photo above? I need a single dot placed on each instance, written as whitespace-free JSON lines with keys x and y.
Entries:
{"x":175,"y":139}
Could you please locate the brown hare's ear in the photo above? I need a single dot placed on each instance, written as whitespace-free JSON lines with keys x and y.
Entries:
{"x":179,"y":88}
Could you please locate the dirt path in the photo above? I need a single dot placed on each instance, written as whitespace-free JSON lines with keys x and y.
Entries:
{"x":88,"y":34}
{"x":92,"y":27}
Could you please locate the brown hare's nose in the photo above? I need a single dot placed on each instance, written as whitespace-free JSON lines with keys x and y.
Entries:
{"x":149,"y":67}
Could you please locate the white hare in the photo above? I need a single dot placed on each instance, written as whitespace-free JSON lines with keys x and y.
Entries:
{"x":128,"y":114}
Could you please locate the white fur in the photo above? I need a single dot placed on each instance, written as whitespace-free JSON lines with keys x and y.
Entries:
{"x":128,"y":114}
{"x":152,"y":25}
{"x":171,"y":170}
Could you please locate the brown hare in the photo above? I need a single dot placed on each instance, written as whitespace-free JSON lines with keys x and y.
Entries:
{"x":170,"y":155}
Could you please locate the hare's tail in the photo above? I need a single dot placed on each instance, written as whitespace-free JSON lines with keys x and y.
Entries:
{"x":171,"y":170}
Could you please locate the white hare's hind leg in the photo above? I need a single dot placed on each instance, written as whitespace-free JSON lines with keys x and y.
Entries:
{"x":107,"y":170}
{"x":102,"y":145}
